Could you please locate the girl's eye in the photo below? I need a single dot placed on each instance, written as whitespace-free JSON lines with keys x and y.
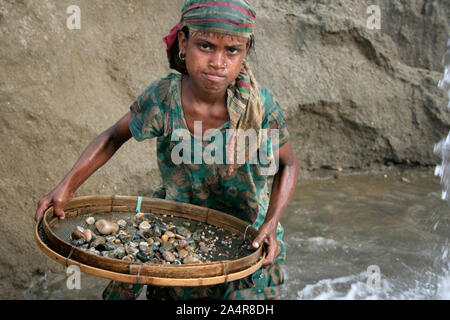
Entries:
{"x":233,"y":50}
{"x":205,"y":46}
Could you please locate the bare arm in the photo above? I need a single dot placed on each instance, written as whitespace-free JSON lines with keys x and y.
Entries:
{"x":283,"y":187}
{"x":99,"y":151}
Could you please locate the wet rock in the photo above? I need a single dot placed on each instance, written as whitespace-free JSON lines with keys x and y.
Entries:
{"x":183,"y":231}
{"x":170,"y":234}
{"x":90,"y":220}
{"x":119,"y":252}
{"x":97,"y":241}
{"x":144,"y":226}
{"x":167,"y":245}
{"x":157,"y":231}
{"x":150,"y":240}
{"x":78,"y":242}
{"x":142,"y":257}
{"x":182,"y":244}
{"x":77,"y":234}
{"x":122,"y":223}
{"x":128,"y":258}
{"x":168,"y":256}
{"x":182,"y":253}
{"x":105,"y":227}
{"x":162,"y":227}
{"x":139,"y":216}
{"x":131,"y":250}
{"x":164,"y":238}
{"x":190,"y":259}
{"x":87,"y":235}
{"x":110,"y":238}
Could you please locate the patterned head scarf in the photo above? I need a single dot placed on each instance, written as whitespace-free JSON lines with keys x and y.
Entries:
{"x":236,"y":18}
{"x":233,"y":17}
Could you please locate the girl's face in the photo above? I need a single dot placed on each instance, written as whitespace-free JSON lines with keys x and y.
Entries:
{"x":213,"y":60}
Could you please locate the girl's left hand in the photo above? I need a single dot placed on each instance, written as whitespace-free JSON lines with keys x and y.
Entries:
{"x":268,"y":235}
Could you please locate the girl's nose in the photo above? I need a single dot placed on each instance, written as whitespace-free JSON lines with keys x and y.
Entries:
{"x":217,"y":60}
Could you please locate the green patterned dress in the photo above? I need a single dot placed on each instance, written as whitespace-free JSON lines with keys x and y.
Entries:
{"x":158,"y":112}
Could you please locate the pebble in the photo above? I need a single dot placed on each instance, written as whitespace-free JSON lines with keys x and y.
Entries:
{"x":167,"y":245}
{"x":183,"y":231}
{"x":128,"y":258}
{"x":144,"y":226}
{"x":182,"y":253}
{"x":168,"y":256}
{"x":90,"y":220}
{"x":119,"y":252}
{"x":164,"y":238}
{"x":87,"y":235}
{"x":106,"y":227}
{"x":122,"y":223}
{"x":139,"y":216}
{"x":97,"y":242}
{"x":191,"y":260}
{"x":77,"y":234}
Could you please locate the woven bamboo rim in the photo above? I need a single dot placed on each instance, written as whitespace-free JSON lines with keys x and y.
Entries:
{"x":149,"y":273}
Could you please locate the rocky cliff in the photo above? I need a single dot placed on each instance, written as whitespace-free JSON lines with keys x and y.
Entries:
{"x":353,"y":97}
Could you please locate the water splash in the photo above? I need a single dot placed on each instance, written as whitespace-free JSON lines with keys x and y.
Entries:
{"x":442,"y":149}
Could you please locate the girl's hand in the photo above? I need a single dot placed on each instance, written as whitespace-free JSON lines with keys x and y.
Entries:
{"x":268,"y":235}
{"x":57,"y":198}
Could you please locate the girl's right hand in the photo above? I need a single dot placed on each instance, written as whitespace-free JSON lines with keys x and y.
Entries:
{"x":57,"y":198}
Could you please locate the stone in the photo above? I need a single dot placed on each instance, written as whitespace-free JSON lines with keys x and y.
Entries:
{"x":190,"y":259}
{"x":160,"y":225}
{"x":167,"y":245}
{"x":170,"y":234}
{"x":182,"y":253}
{"x":122,"y":223}
{"x":144,"y":226}
{"x":87,"y":234}
{"x":119,"y":252}
{"x":183,"y":231}
{"x":164,"y":238}
{"x":182,"y":244}
{"x":78,"y":242}
{"x":128,"y":258}
{"x":139,"y":216}
{"x":97,"y":241}
{"x":131,"y":250}
{"x":168,"y":256}
{"x":142,"y":256}
{"x":77,"y":234}
{"x":105,"y":227}
{"x":90,"y":220}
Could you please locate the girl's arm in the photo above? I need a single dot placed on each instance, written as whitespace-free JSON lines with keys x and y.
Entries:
{"x":283,"y":187}
{"x":99,"y":151}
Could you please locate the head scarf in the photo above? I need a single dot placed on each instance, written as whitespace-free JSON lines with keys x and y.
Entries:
{"x":236,"y":18}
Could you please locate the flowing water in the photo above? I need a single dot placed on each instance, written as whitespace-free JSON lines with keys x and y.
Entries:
{"x":336,"y":229}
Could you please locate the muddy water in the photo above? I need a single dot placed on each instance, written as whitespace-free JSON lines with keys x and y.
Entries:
{"x":335,"y":229}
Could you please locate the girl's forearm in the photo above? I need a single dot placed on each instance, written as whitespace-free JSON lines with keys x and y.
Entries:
{"x":283,"y":188}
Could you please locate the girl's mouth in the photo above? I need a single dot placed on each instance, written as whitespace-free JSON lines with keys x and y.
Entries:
{"x":214,"y":78}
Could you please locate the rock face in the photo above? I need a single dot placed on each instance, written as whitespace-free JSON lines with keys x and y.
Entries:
{"x":352,"y":96}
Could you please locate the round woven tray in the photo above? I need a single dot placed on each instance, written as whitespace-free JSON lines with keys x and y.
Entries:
{"x":48,"y":231}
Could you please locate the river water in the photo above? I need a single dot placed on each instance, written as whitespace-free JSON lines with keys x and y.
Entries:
{"x":335,"y":229}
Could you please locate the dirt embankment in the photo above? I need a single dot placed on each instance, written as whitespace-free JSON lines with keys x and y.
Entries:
{"x":353,"y":97}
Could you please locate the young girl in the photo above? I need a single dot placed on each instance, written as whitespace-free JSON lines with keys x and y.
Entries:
{"x":214,"y":94}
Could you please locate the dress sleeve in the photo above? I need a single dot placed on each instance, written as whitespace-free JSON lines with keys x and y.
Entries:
{"x":147,"y":116}
{"x":273,"y":118}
